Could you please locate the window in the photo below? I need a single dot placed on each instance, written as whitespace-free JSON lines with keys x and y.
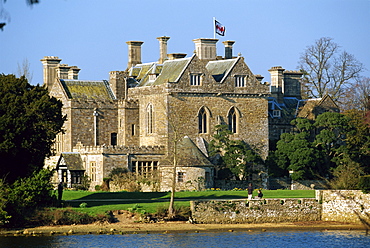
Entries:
{"x":276,"y":113}
{"x":152,"y":77}
{"x":202,"y":120}
{"x":207,"y":177}
{"x":133,"y":129}
{"x":144,"y":168}
{"x":232,"y":120}
{"x":76,"y":177}
{"x":149,"y":117}
{"x":195,"y":79}
{"x":180,"y":177}
{"x":93,"y":171}
{"x":239,"y":81}
{"x":113,"y":139}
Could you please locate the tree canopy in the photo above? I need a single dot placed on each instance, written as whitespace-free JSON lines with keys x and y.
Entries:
{"x":29,"y":121}
{"x":333,"y":146}
{"x":235,"y":158}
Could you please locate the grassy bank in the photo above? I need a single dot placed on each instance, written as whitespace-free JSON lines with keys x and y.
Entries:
{"x":100,"y":202}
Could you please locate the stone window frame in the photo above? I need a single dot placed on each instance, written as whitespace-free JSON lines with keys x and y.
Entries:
{"x":196,"y":79}
{"x":93,"y":171}
{"x":233,"y":119}
{"x":240,"y":80}
{"x":181,"y":176}
{"x":204,"y":116}
{"x":144,"y":168}
{"x":150,"y":119}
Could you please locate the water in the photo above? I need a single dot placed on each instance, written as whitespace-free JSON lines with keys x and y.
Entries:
{"x":310,"y":239}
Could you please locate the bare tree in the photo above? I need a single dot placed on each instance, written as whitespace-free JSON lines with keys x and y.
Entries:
{"x":358,"y":96}
{"x":327,"y":70}
{"x":24,"y":70}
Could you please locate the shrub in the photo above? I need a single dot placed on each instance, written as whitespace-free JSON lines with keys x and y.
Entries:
{"x":28,"y":194}
{"x":364,"y":184}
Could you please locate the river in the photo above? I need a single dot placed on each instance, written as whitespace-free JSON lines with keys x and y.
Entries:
{"x":311,"y":239}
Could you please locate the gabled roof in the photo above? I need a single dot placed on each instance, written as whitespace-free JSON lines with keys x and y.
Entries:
{"x":71,"y":160}
{"x":314,"y":107}
{"x":220,"y":69}
{"x":78,"y":89}
{"x":190,"y":155}
{"x":172,"y":70}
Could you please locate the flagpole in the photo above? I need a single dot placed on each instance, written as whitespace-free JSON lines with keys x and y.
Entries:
{"x":214,"y":27}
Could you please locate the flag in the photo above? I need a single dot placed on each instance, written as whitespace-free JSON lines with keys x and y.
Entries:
{"x":219,"y":28}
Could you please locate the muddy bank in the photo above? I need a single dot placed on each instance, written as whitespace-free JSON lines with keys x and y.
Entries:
{"x":179,"y":227}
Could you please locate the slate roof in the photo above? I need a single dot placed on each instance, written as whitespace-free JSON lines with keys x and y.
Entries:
{"x":78,"y":89}
{"x":172,"y":70}
{"x":190,"y":155}
{"x":71,"y":160}
{"x":220,"y":69}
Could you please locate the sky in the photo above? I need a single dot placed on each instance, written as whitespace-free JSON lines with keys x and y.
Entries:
{"x":92,"y":34}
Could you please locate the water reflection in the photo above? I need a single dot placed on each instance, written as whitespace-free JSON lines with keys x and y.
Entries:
{"x":201,"y":240}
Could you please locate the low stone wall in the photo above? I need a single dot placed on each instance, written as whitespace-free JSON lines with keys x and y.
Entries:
{"x":350,"y":206}
{"x":256,"y":211}
{"x":345,"y":206}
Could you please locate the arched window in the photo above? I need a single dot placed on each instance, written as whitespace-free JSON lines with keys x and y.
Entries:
{"x":149,"y":118}
{"x":202,"y":120}
{"x":232,"y":120}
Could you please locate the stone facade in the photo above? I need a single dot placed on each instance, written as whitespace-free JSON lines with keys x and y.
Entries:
{"x":136,"y":119}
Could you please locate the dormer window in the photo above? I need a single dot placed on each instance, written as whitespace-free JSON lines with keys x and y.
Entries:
{"x":240,"y":81}
{"x":276,"y":113}
{"x":195,"y":79}
{"x":152,"y":77}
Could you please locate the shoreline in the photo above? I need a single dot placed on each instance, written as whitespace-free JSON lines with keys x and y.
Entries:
{"x":177,"y":227}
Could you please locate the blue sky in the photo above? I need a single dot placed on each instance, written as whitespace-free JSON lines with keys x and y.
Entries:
{"x":92,"y":34}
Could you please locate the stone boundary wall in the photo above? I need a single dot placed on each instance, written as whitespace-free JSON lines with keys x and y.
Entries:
{"x":345,"y":206}
{"x":351,"y":206}
{"x":256,"y":211}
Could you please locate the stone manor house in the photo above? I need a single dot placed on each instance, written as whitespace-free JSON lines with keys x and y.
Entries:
{"x":137,"y":118}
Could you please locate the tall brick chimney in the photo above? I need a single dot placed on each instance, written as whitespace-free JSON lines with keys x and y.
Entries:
{"x":162,"y":48}
{"x":134,"y":53}
{"x":206,"y":48}
{"x":228,"y":49}
{"x":49,"y":64}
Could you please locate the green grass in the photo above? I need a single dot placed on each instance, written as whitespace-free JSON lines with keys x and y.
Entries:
{"x":100,"y":202}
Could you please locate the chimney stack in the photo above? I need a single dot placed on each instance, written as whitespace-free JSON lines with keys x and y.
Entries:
{"x":162,"y":48}
{"x":134,"y":53}
{"x":206,"y":48}
{"x":277,"y":82}
{"x":62,"y":71}
{"x":49,"y":64}
{"x":228,"y":49}
{"x":73,"y":72}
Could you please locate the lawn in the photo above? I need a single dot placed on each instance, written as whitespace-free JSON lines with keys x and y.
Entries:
{"x":100,"y":202}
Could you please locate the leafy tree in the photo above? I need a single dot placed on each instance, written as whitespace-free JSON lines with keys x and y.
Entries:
{"x":233,"y":155}
{"x":296,"y":153}
{"x":333,"y":146}
{"x":29,"y":122}
{"x":327,"y":70}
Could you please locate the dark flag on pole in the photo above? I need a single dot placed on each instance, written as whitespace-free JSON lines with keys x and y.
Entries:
{"x":219,"y":28}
